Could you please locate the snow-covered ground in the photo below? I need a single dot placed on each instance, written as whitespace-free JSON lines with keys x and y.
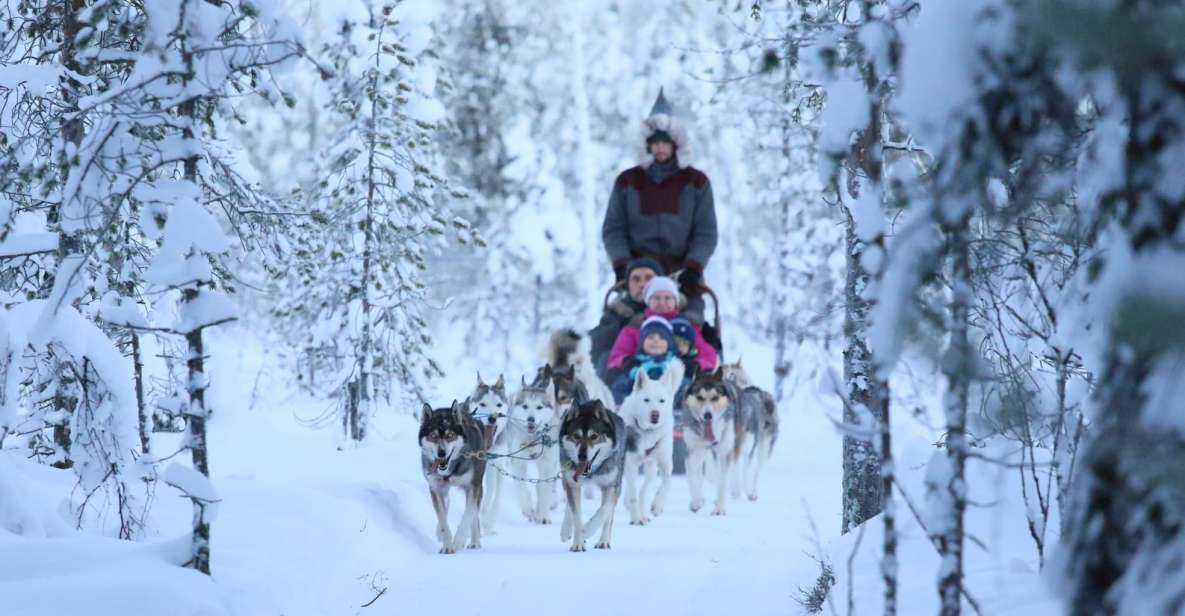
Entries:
{"x":306,"y":527}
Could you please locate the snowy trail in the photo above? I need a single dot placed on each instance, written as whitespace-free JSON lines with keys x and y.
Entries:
{"x":682,"y":563}
{"x":308,"y":529}
{"x":318,"y":545}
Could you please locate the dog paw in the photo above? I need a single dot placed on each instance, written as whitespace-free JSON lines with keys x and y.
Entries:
{"x":544,"y":520}
{"x":644,"y":521}
{"x":473,"y":546}
{"x":697,"y":504}
{"x":603,"y":545}
{"x":656,"y":509}
{"x":577,"y":547}
{"x":718,"y":511}
{"x":447,"y":550}
{"x":753,"y":496}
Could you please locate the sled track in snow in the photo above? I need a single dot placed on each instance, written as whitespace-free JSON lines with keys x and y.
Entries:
{"x":388,"y":501}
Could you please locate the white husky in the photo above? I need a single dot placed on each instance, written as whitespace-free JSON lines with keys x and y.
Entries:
{"x":649,"y":418}
{"x":534,"y":438}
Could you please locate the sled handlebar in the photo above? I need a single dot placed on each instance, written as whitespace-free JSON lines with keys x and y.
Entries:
{"x":703,"y":289}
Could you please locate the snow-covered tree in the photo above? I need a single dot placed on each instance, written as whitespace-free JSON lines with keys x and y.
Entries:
{"x":858,"y":50}
{"x":963,"y":68}
{"x":1127,"y":529}
{"x":797,"y":235}
{"x":378,"y":212}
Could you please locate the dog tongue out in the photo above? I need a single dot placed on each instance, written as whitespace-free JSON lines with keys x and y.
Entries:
{"x":488,"y":435}
{"x":709,"y":433}
{"x":581,"y":469}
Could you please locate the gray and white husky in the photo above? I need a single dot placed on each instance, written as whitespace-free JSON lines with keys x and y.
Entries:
{"x":592,"y":451}
{"x":491,"y":408}
{"x":759,"y":412}
{"x":450,"y":448}
{"x":567,"y":349}
{"x":534,"y":436}
{"x":713,"y":432}
{"x":648,"y":413}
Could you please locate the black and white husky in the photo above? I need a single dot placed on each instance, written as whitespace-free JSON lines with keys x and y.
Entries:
{"x":713,"y":432}
{"x":759,"y":412}
{"x":491,"y":408}
{"x":450,"y":450}
{"x":533,"y":440}
{"x":648,"y":413}
{"x":592,"y":451}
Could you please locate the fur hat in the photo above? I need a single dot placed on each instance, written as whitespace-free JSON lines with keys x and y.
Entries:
{"x":682,"y":328}
{"x":657,"y":325}
{"x":660,"y":283}
{"x":662,"y":120}
{"x":648,"y":262}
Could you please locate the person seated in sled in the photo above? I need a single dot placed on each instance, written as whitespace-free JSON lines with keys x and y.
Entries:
{"x":662,"y":299}
{"x":684,"y":333}
{"x":663,"y":209}
{"x":620,"y":311}
{"x":655,"y":353}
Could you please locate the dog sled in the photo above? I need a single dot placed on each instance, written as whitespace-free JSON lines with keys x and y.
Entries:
{"x":712,"y":334}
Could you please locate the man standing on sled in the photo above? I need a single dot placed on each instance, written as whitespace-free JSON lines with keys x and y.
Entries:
{"x":663,"y":209}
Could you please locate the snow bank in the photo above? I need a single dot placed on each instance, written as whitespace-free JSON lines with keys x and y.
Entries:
{"x":1000,"y":558}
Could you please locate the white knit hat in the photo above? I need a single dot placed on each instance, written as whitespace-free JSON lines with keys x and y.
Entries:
{"x":660,"y":283}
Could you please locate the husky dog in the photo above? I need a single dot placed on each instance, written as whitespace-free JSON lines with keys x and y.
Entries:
{"x":712,"y":427}
{"x":648,"y":413}
{"x":491,"y":407}
{"x":592,"y":451}
{"x":450,"y":446}
{"x":760,"y":413}
{"x":761,"y":423}
{"x":568,"y":389}
{"x":534,"y":435}
{"x":736,"y":373}
{"x":567,"y":349}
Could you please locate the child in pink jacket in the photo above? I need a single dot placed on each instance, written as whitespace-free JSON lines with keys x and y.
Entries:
{"x":662,"y":299}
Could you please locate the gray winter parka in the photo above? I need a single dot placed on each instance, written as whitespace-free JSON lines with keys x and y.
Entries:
{"x":673,"y":220}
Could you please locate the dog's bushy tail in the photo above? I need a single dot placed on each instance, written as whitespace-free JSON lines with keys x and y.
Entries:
{"x":771,"y":409}
{"x":738,"y":421}
{"x":562,"y":347}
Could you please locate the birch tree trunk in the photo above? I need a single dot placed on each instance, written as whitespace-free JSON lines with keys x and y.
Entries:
{"x":197,"y":414}
{"x":866,"y":392}
{"x":957,"y":367}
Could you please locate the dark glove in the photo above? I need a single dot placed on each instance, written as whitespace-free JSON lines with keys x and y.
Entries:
{"x":690,"y":278}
